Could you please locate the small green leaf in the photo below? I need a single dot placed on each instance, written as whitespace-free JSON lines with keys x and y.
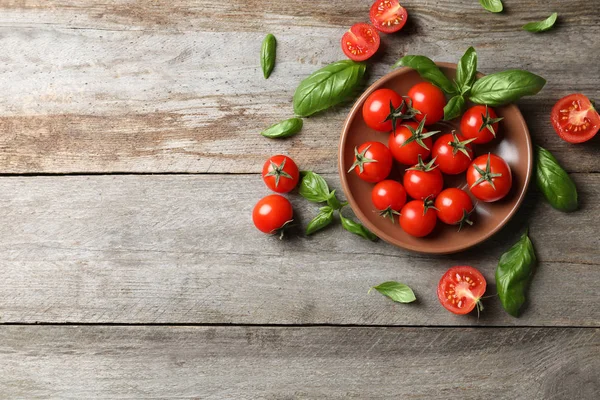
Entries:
{"x":494,"y":6}
{"x":267,"y":55}
{"x":541,"y":26}
{"x":466,"y":70}
{"x":357,"y":229}
{"x":333,"y":202}
{"x":554,"y":182}
{"x":454,"y":108}
{"x":429,"y":71}
{"x":505,"y":87}
{"x":283,"y":129}
{"x":398,"y":292}
{"x":324,"y":218}
{"x":313,"y":187}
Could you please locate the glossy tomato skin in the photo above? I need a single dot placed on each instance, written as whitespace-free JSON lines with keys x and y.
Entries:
{"x":452,"y":204}
{"x":408,"y":154}
{"x":271,"y":213}
{"x":574,"y":118}
{"x":280,"y":173}
{"x":484,"y":190}
{"x":388,"y":194}
{"x":422,"y":184}
{"x":377,"y":170}
{"x":360,"y":42}
{"x":472,"y":121}
{"x":460,"y":289}
{"x":415,"y":221}
{"x":388,"y":16}
{"x":377,"y":108}
{"x":429,"y":100}
{"x":448,"y":162}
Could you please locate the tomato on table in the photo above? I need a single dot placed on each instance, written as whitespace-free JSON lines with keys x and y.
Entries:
{"x":388,"y":197}
{"x":360,"y":42}
{"x":452,"y":153}
{"x":489,"y":178}
{"x":423,"y":180}
{"x":429,"y":100}
{"x":379,"y":108}
{"x":575,"y":119}
{"x":454,"y":207}
{"x":388,"y":16}
{"x":480,"y":123}
{"x":372,"y":162}
{"x":460,"y":289}
{"x":272,"y":213}
{"x":418,"y":217}
{"x":411,"y":141}
{"x":280,"y":174}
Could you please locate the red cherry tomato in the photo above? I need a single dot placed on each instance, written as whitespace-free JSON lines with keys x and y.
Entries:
{"x":575,"y":119}
{"x":272,"y":213}
{"x":480,"y":123}
{"x":418,"y":218}
{"x":376,"y":109}
{"x":410,"y":141}
{"x":454,"y":207}
{"x":452,"y":153}
{"x":460,"y":289}
{"x":372,"y":162}
{"x":360,"y":42}
{"x":429,"y":100}
{"x":388,"y":16}
{"x":489,"y":178}
{"x":280,"y":174}
{"x":423,"y":180}
{"x":388,"y":197}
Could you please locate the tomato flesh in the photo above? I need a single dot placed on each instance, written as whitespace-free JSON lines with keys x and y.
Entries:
{"x":388,"y":16}
{"x":575,"y":119}
{"x":460,"y":289}
{"x":360,"y":42}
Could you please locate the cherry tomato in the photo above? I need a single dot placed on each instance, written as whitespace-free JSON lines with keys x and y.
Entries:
{"x":423,"y":180}
{"x":460,"y":289}
{"x":410,"y":141}
{"x":480,"y":123}
{"x":489,"y":178}
{"x":454,"y":207}
{"x":372,"y":162}
{"x":429,"y":100}
{"x":452,"y":154}
{"x":575,"y":119}
{"x":360,"y":42}
{"x":388,"y":197}
{"x":388,"y":16}
{"x":280,"y":174}
{"x":272,"y":213}
{"x":376,"y":109}
{"x":418,"y":218}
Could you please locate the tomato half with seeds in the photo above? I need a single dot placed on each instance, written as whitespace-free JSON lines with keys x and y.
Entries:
{"x":480,"y":123}
{"x":429,"y":100}
{"x":388,"y":16}
{"x":418,"y":218}
{"x":461,"y":289}
{"x":575,"y":119}
{"x":489,"y":178}
{"x":410,"y":141}
{"x":388,"y":197}
{"x":280,"y":174}
{"x":360,"y":42}
{"x":452,"y":153}
{"x":454,"y":207}
{"x":372,"y":162}
{"x":272,"y":213}
{"x":423,"y":180}
{"x":378,"y":109}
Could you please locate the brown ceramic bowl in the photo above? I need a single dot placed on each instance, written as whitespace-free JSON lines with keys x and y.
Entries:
{"x":513,"y":144}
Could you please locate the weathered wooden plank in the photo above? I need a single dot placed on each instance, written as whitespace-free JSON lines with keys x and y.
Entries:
{"x":182,"y":249}
{"x":176,"y":87}
{"x":287,"y":363}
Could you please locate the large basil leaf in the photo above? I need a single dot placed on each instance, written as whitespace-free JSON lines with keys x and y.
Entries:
{"x":494,"y":6}
{"x":554,"y":182}
{"x":283,"y":129}
{"x":398,"y":292}
{"x":327,"y":87}
{"x":357,"y":229}
{"x":267,"y":55}
{"x":466,"y":70}
{"x":454,"y":108}
{"x":541,"y":26}
{"x":505,"y":87}
{"x":513,"y":273}
{"x":324,"y":218}
{"x":313,"y":187}
{"x":428,"y":71}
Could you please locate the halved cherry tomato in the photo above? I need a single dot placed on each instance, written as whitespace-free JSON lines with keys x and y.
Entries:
{"x":489,"y":178}
{"x":360,"y":42}
{"x":429,"y":100}
{"x":423,"y":180}
{"x":280,"y":174}
{"x":454,"y":207}
{"x":460,"y":289}
{"x":388,"y":16}
{"x":372,"y":162}
{"x":378,"y":109}
{"x":388,"y":197}
{"x":410,"y":141}
{"x":480,"y":123}
{"x":575,"y":119}
{"x":418,"y":218}
{"x":272,"y":213}
{"x":452,"y":153}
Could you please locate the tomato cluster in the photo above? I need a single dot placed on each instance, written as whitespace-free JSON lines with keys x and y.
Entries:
{"x":410,"y":143}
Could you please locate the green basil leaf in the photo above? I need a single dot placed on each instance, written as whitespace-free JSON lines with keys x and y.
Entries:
{"x":396,"y":291}
{"x":327,"y":87}
{"x":466,"y":70}
{"x":513,"y":274}
{"x":267,"y":55}
{"x":283,"y":129}
{"x":428,"y":71}
{"x":324,"y":218}
{"x":494,"y":6}
{"x":554,"y":182}
{"x":541,"y":26}
{"x":505,"y":87}
{"x":333,"y":202}
{"x":454,"y":108}
{"x":313,"y":187}
{"x":357,"y":229}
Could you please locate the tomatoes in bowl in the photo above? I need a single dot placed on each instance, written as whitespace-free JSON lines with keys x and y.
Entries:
{"x":388,"y":197}
{"x":418,"y":218}
{"x":410,"y":141}
{"x":272,"y":213}
{"x":280,"y":174}
{"x":461,"y":289}
{"x":452,"y":153}
{"x":575,"y":119}
{"x":388,"y":16}
{"x":423,"y":180}
{"x":489,"y":178}
{"x":372,"y":162}
{"x":480,"y":123}
{"x":378,"y":109}
{"x":429,"y":100}
{"x":360,"y":42}
{"x":454,"y":207}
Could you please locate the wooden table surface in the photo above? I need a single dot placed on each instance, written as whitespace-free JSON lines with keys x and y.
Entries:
{"x":130,"y":159}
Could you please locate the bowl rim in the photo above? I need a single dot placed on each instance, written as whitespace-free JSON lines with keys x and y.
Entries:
{"x":390,"y":239}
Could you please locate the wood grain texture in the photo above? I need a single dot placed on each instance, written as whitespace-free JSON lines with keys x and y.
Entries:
{"x":182,"y":249}
{"x":290,"y":363}
{"x":138,"y":86}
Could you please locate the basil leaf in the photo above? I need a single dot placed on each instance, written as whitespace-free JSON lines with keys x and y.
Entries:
{"x":357,"y":229}
{"x":541,"y":26}
{"x":428,"y":71}
{"x":454,"y":108}
{"x":267,"y":55}
{"x":505,"y":87}
{"x":554,"y":182}
{"x":283,"y":129}
{"x":494,"y":6}
{"x":466,"y":70}
{"x":396,"y":291}
{"x":327,"y":87}
{"x":333,"y":202}
{"x":313,"y":187}
{"x":324,"y":218}
{"x":513,"y":273}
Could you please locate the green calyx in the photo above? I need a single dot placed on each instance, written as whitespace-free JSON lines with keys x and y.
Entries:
{"x":488,"y":122}
{"x":428,"y":204}
{"x":466,"y":219}
{"x":417,"y":135}
{"x":389,"y":213}
{"x":421,"y":166}
{"x":457,"y":145}
{"x":404,"y":111}
{"x":277,"y":171}
{"x":487,"y":175}
{"x":360,"y":159}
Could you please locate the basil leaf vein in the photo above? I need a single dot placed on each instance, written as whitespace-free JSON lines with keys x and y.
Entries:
{"x":398,"y":292}
{"x":267,"y":55}
{"x":554,"y":182}
{"x":357,"y":229}
{"x":454,"y":108}
{"x":283,"y":129}
{"x":323,"y":219}
{"x":466,"y":70}
{"x":541,"y":26}
{"x":505,"y":87}
{"x":313,"y":187}
{"x":429,"y":71}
